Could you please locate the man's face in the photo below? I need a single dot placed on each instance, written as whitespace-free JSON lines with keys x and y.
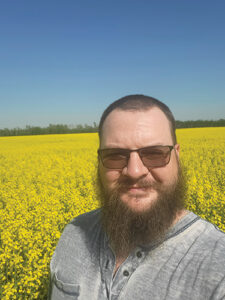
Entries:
{"x":133,"y":130}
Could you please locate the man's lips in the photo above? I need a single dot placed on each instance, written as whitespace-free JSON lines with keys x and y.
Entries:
{"x":137,"y":189}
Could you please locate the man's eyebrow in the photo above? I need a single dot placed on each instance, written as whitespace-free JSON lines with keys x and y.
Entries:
{"x":119,"y":148}
{"x":115,"y":148}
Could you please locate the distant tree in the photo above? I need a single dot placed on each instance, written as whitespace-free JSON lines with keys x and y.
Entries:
{"x":62,"y":128}
{"x":200,"y":123}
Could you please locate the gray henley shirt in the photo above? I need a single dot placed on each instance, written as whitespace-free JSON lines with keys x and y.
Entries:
{"x":189,"y":264}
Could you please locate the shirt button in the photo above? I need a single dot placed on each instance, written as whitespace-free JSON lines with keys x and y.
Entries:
{"x":125,"y":273}
{"x":139,"y":254}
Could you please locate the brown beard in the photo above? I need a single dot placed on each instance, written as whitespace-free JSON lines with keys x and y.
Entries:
{"x":126,"y":228}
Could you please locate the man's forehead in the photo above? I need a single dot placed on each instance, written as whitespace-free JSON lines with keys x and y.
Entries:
{"x":153,"y":115}
{"x":135,"y":124}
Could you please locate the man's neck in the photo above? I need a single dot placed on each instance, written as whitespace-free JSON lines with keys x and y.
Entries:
{"x":180,"y":214}
{"x":119,"y":261}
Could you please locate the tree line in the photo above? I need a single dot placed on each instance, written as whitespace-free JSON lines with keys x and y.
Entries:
{"x":63,"y":129}
{"x":200,"y":123}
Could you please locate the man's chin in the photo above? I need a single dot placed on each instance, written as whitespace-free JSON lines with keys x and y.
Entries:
{"x":139,"y":203}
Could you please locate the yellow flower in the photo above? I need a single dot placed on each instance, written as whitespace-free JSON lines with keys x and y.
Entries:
{"x":48,"y":180}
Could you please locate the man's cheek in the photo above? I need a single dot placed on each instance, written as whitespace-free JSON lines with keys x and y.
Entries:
{"x":110,"y":178}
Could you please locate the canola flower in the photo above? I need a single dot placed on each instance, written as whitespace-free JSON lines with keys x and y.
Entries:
{"x":203,"y":155}
{"x":48,"y":180}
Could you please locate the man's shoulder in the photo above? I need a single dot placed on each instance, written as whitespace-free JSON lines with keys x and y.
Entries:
{"x":213,"y":233}
{"x":201,"y":226}
{"x":82,"y":229}
{"x":79,"y":242}
{"x":87,"y":219}
{"x":198,"y":232}
{"x":207,"y":238}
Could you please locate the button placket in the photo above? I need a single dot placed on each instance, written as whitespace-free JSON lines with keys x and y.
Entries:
{"x":122,"y":276}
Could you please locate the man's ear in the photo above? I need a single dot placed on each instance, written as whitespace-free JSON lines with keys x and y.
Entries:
{"x":177,"y":149}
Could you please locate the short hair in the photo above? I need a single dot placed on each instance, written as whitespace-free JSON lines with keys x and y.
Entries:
{"x":139,"y":103}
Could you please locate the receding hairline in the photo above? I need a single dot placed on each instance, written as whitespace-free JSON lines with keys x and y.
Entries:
{"x":134,"y":110}
{"x":138,"y":102}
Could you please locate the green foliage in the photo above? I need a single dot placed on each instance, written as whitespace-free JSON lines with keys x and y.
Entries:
{"x":62,"y":128}
{"x":51,"y":129}
{"x":200,"y":123}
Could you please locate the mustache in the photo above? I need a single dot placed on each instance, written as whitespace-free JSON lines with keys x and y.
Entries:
{"x":126,"y":183}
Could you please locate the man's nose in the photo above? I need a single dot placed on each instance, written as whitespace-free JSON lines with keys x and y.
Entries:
{"x":135,"y":168}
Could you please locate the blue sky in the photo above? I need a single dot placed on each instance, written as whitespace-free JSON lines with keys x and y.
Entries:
{"x":65,"y":61}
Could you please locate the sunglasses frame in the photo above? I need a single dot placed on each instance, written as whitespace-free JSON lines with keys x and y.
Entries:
{"x":127,"y":152}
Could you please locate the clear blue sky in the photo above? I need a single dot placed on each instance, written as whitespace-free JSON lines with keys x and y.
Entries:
{"x":65,"y":61}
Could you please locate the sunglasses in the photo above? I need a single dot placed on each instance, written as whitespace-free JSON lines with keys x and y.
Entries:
{"x":152,"y":156}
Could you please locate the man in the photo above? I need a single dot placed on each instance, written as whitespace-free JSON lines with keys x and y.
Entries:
{"x":142,"y":243}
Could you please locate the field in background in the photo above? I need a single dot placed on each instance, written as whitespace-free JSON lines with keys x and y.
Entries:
{"x":45,"y":181}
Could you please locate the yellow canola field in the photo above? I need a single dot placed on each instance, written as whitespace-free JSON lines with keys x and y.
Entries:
{"x":48,"y":180}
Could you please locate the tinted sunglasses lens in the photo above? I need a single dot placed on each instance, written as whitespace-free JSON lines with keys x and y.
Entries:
{"x":113,"y":159}
{"x":155,"y":156}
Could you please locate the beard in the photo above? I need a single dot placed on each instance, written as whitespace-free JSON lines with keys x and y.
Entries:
{"x":126,"y":228}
